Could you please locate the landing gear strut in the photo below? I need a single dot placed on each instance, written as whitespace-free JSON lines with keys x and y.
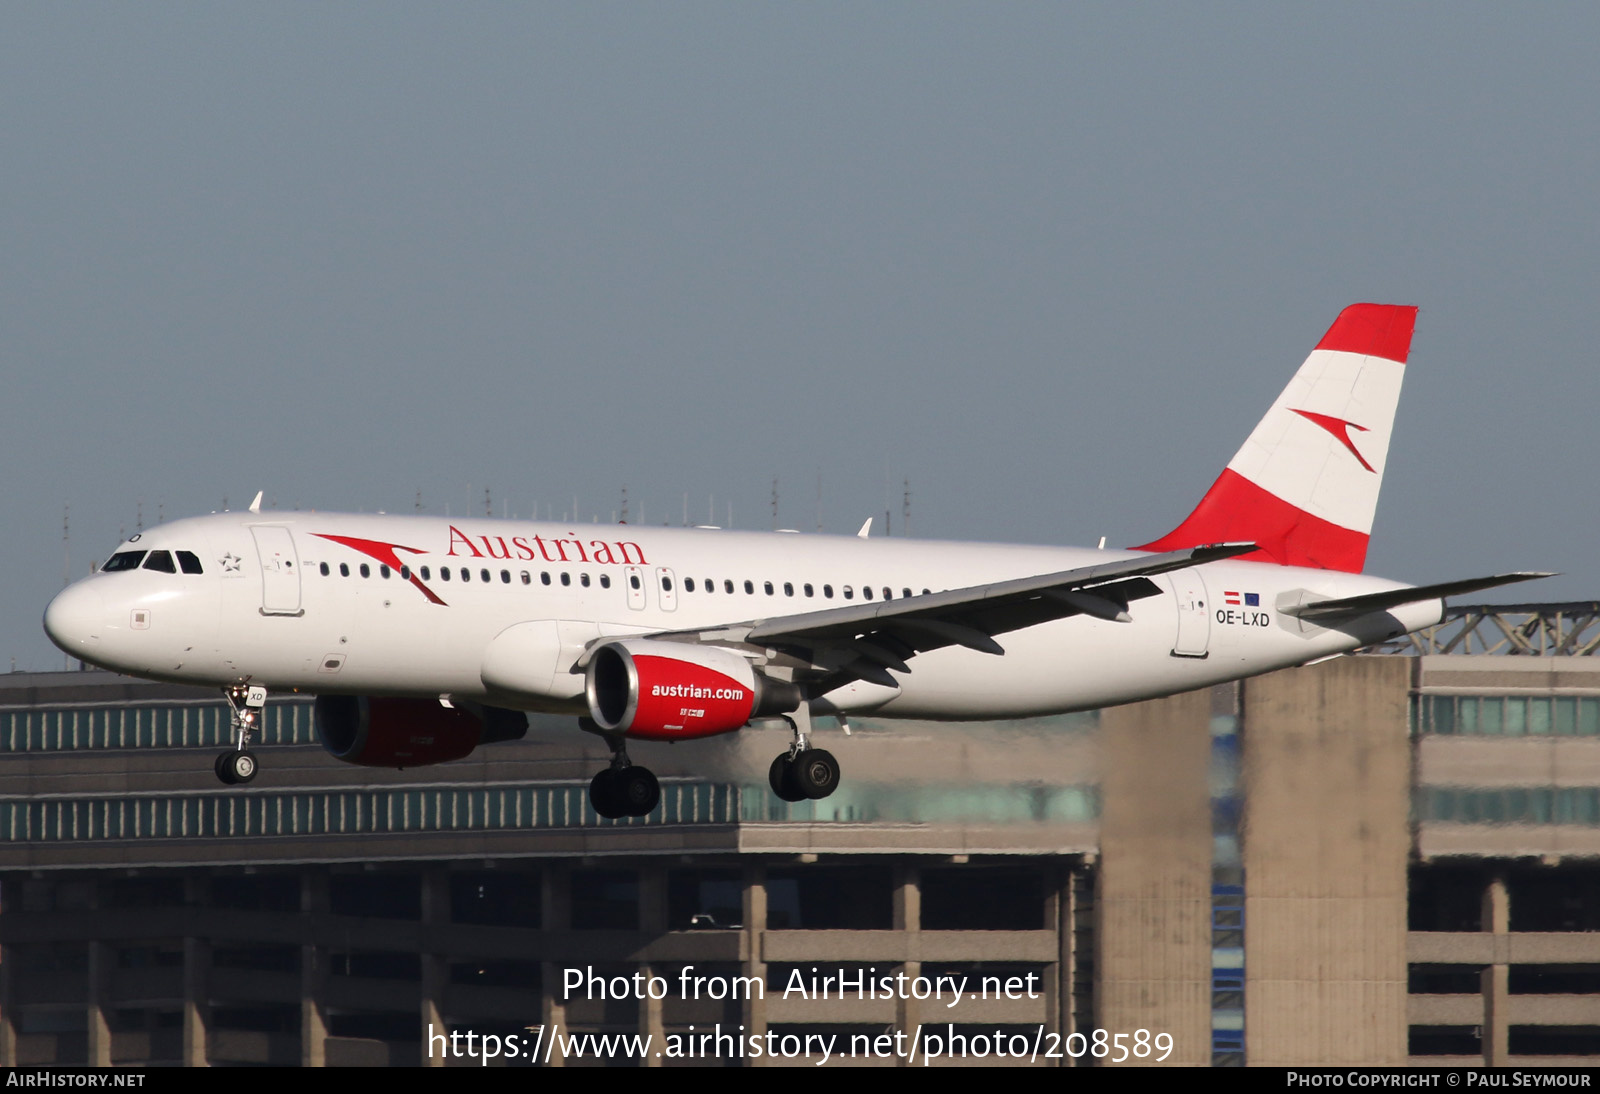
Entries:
{"x":803,"y":772}
{"x":238,"y":764}
{"x":624,"y":789}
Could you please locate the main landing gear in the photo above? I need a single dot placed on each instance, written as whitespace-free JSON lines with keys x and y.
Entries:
{"x":624,"y":789}
{"x":238,"y":764}
{"x":803,"y":772}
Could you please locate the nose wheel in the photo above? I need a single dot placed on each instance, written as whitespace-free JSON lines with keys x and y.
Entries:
{"x":238,"y":765}
{"x":626,"y":792}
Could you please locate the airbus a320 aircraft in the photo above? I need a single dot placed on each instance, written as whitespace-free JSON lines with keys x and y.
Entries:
{"x":425,"y":637}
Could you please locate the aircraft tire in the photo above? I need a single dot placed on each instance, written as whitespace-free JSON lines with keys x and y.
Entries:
{"x":815,"y":773}
{"x":242,"y":767}
{"x":224,"y":768}
{"x":635,"y":791}
{"x":603,"y":795}
{"x":781,"y":777}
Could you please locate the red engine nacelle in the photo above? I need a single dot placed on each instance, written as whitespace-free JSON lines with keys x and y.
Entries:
{"x":670,"y":691}
{"x":382,"y":732}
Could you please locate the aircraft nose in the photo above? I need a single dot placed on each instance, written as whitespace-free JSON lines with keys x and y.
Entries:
{"x":75,"y":619}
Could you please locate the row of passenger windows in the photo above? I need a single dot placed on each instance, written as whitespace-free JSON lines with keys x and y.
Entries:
{"x":465,"y":574}
{"x":807,"y":589}
{"x":689,"y":583}
{"x":159,"y":561}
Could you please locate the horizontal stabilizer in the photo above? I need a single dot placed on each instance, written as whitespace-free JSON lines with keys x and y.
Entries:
{"x":1393,"y":598}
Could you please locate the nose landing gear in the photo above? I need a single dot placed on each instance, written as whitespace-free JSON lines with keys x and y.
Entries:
{"x":238,"y":764}
{"x":624,"y":789}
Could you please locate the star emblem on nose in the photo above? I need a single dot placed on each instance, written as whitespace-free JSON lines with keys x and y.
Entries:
{"x":230,"y":562}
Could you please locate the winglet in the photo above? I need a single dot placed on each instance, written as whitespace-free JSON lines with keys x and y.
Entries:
{"x":865,"y":528}
{"x":255,"y":506}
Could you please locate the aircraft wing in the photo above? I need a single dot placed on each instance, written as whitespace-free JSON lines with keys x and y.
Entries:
{"x":863,"y":641}
{"x":1350,"y":606}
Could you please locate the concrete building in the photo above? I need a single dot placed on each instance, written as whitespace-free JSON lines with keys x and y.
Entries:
{"x":1379,"y":859}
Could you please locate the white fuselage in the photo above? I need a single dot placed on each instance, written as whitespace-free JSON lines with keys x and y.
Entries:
{"x":280,"y":603}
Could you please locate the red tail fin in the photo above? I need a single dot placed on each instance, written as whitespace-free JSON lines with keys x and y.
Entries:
{"x":1305,"y":484}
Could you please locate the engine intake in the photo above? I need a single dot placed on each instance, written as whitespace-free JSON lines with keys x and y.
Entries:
{"x":670,"y":691}
{"x":387,"y":732}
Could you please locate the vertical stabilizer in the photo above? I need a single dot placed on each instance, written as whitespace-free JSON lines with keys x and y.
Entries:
{"x":1305,"y":484}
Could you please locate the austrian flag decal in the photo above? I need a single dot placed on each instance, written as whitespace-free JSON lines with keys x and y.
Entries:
{"x":1247,"y":600}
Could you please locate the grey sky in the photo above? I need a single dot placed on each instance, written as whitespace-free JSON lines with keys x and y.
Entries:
{"x":1049,"y":261}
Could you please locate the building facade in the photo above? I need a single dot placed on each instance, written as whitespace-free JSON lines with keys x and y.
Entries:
{"x":1380,"y":859}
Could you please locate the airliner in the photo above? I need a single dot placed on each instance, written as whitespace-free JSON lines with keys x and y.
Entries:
{"x":423,"y":637}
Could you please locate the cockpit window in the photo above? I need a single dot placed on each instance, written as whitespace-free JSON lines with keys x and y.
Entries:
{"x":123,"y":560}
{"x":189,"y":562}
{"x":161,"y":561}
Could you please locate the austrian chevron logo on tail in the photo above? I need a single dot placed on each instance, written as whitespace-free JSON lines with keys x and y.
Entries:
{"x":1339,"y":428}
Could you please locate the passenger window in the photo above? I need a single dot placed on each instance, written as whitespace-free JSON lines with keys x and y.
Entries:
{"x":566,"y":578}
{"x":484,"y":574}
{"x":161,"y":562}
{"x":405,"y":573}
{"x":788,"y":588}
{"x":425,"y":576}
{"x":544,"y":578}
{"x":727,"y":585}
{"x":466,"y":574}
{"x":583,"y":579}
{"x":505,"y":577}
{"x":605,"y":581}
{"x":125,"y":560}
{"x":905,"y":592}
{"x":926,"y":593}
{"x":366,"y":571}
{"x":827,"y":592}
{"x":768,"y":586}
{"x":849,"y":593}
{"x":749,"y":588}
{"x":888,"y":593}
{"x":688,"y":584}
{"x":809,"y":590}
{"x":444,"y":573}
{"x":383,"y":570}
{"x":666,"y":584}
{"x":324,"y":569}
{"x":866,"y":592}
{"x":633,"y":580}
{"x":344,"y":569}
{"x":527,"y":579}
{"x":189,"y":562}
{"x":711,"y":586}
